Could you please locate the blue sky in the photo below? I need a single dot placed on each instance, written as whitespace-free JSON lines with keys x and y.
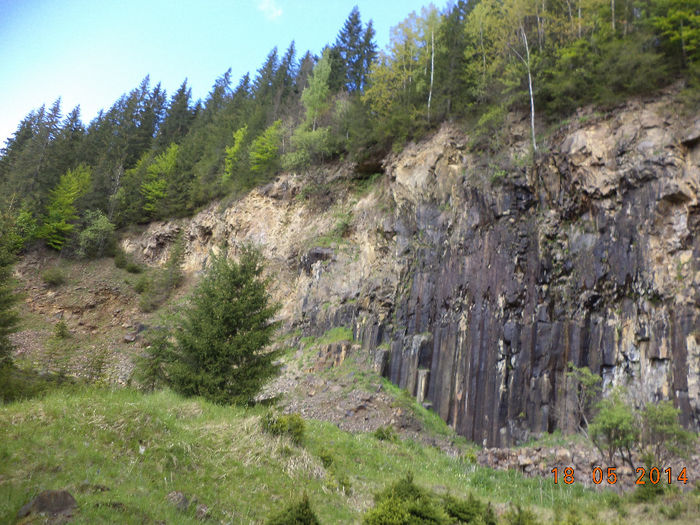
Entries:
{"x":90,"y":52}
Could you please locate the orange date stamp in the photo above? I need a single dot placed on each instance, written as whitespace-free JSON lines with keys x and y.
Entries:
{"x":609,"y":475}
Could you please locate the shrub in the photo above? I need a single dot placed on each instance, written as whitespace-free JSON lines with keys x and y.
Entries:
{"x":291,"y":425}
{"x":158,"y":288}
{"x":587,"y":387}
{"x":386,"y":433}
{"x":97,"y":237}
{"x":142,"y":284}
{"x":326,"y":458}
{"x":133,"y":267}
{"x":120,"y":258}
{"x":406,"y":503}
{"x":662,"y":435}
{"x":296,"y":513}
{"x":60,"y":330}
{"x":648,"y":491}
{"x":519,"y":516}
{"x":53,"y":277}
{"x":615,"y":429}
{"x":469,"y":510}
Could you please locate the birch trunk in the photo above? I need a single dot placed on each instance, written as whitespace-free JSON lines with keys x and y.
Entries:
{"x":529,"y":85}
{"x":432,"y":70}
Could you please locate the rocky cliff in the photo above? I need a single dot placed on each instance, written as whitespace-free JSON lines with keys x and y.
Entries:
{"x":472,"y":281}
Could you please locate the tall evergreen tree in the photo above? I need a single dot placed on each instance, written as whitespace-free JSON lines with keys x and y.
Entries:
{"x":61,"y":212}
{"x":8,"y":298}
{"x":349,"y":46}
{"x":221,"y":339}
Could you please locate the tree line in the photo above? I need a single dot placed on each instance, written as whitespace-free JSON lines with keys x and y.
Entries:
{"x":153,"y":156}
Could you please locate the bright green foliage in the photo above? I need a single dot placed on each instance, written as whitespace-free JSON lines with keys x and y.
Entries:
{"x":264,"y":151}
{"x":315,"y":97}
{"x":299,"y":513}
{"x":158,"y":173}
{"x":97,"y":237}
{"x":291,"y":425}
{"x":615,"y":429}
{"x":662,"y":436}
{"x":220,"y":339}
{"x":61,"y":211}
{"x":309,"y":145}
{"x":25,"y":229}
{"x":233,"y":152}
{"x":679,"y":22}
{"x":587,"y":387}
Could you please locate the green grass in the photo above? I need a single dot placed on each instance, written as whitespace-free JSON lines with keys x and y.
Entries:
{"x":87,"y":441}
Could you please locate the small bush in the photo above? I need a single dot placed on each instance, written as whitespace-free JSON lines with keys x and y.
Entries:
{"x":60,"y":330}
{"x":519,"y":516}
{"x":673,"y":512}
{"x":326,"y":458}
{"x":470,"y":510}
{"x":133,"y":267}
{"x":142,"y":284}
{"x":98,"y":236}
{"x":404,"y":502}
{"x":291,"y":425}
{"x":296,"y":513}
{"x":120,"y":259}
{"x":386,"y":433}
{"x":648,"y":492}
{"x":53,"y":277}
{"x":157,"y":289}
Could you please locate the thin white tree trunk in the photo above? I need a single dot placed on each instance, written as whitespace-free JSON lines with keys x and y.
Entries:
{"x":579,"y":18}
{"x":432,"y":69}
{"x":612,"y":8}
{"x":529,"y":85}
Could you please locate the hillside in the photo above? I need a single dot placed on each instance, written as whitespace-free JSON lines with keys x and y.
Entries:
{"x":473,"y":281}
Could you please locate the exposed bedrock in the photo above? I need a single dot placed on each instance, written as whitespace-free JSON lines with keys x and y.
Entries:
{"x":473,"y":282}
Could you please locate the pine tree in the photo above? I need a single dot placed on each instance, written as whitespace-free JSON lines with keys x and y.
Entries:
{"x":61,"y":211}
{"x":220,"y":340}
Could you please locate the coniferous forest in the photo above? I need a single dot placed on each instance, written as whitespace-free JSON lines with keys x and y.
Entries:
{"x":156,"y":155}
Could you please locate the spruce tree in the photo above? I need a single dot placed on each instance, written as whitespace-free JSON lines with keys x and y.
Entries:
{"x":349,"y":44}
{"x":8,"y":317}
{"x":220,"y":339}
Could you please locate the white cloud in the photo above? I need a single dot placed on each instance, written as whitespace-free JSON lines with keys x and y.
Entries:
{"x":270,"y":9}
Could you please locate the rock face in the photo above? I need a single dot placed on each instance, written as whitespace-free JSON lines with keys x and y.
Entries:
{"x":473,"y":282}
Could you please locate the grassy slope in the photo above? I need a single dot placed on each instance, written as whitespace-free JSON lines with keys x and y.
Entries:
{"x":89,"y":439}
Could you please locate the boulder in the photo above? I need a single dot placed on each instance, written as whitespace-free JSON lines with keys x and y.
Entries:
{"x":52,"y":502}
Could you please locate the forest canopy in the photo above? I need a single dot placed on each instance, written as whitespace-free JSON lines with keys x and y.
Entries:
{"x":154,"y":155}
